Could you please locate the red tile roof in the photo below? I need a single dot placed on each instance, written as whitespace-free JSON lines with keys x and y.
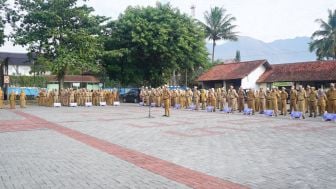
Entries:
{"x":231,"y":70}
{"x":75,"y":79}
{"x":302,"y":71}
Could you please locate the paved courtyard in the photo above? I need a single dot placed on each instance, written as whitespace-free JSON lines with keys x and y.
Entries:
{"x":120,"y":147}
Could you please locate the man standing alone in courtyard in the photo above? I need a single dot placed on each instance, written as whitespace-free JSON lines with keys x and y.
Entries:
{"x":166,"y":100}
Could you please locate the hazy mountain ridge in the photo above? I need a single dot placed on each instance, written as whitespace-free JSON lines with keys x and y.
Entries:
{"x":278,"y":51}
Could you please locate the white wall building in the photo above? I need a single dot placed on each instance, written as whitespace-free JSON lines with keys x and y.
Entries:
{"x":244,"y":74}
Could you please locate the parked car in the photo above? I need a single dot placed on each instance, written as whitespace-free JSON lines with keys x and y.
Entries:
{"x":132,"y":96}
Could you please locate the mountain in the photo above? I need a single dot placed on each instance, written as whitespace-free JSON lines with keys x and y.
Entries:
{"x":279,"y":51}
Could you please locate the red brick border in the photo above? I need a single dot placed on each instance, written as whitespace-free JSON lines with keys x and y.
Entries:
{"x":19,"y":125}
{"x":158,"y":166}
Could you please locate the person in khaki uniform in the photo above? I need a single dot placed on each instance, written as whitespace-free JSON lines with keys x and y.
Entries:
{"x":283,"y":98}
{"x":155,"y":94}
{"x":196,"y":98}
{"x":94,"y":98}
{"x":51,"y":98}
{"x":274,"y":95}
{"x":189,"y":95}
{"x":146,"y":96}
{"x":218,"y":96}
{"x":279,"y":100}
{"x":321,"y":102}
{"x":56,"y":96}
{"x":12,"y":102}
{"x":166,"y":100}
{"x":142,"y":94}
{"x":71,"y":96}
{"x":61,"y":97}
{"x":268,"y":100}
{"x":293,"y":99}
{"x":1,"y":99}
{"x":160,"y":101}
{"x":83,"y":97}
{"x":301,"y":101}
{"x":203,"y":98}
{"x":232,"y":98}
{"x":241,"y":99}
{"x":43,"y":97}
{"x":257,"y":101}
{"x":312,"y":102}
{"x":22,"y":99}
{"x":222,"y":99}
{"x":308,"y":90}
{"x":251,"y":100}
{"x":151,"y":96}
{"x":173,"y":97}
{"x":182,"y":98}
{"x":262,"y":99}
{"x":331,"y":95}
{"x":212,"y":99}
{"x":66,"y":97}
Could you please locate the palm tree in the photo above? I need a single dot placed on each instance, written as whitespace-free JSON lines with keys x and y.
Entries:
{"x":324,"y":40}
{"x":219,"y":26}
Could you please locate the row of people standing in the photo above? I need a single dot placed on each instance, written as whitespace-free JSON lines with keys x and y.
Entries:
{"x":79,"y":96}
{"x":312,"y":101}
{"x":12,"y":99}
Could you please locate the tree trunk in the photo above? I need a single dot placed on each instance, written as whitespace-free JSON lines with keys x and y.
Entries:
{"x":213,"y":50}
{"x":61,"y":84}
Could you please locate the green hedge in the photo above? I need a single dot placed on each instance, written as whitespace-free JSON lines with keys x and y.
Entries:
{"x":28,"y":81}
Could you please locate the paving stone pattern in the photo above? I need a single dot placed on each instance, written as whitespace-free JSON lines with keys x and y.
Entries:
{"x":102,"y":147}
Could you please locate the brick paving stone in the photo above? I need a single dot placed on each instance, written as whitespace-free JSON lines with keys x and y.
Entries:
{"x":254,"y":151}
{"x":46,"y":159}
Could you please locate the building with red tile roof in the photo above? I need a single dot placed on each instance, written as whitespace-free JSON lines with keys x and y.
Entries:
{"x":261,"y":73}
{"x":243,"y":74}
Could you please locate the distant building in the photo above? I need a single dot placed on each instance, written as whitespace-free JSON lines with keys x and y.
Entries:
{"x":19,"y":64}
{"x":315,"y":73}
{"x":15,"y":63}
{"x":74,"y":81}
{"x":243,"y":74}
{"x":259,"y":73}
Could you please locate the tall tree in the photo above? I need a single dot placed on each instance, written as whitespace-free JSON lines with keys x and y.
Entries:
{"x":218,"y":25}
{"x":3,"y":19}
{"x":146,"y":44}
{"x":59,"y":31}
{"x":324,"y":40}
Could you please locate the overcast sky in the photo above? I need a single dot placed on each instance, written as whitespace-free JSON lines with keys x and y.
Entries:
{"x":266,"y":20}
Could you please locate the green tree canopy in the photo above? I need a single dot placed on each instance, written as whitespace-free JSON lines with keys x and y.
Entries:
{"x":324,"y":40}
{"x":146,"y":44}
{"x":4,"y":11}
{"x":219,"y":26}
{"x":60,"y":32}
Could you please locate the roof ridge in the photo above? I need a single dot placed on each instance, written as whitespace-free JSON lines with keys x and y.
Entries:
{"x":307,"y":62}
{"x":243,"y":62}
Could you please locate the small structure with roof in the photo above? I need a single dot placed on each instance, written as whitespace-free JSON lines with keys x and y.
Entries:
{"x":74,"y":81}
{"x":259,"y":73}
{"x":16,"y":63}
{"x":237,"y":74}
{"x":313,"y":73}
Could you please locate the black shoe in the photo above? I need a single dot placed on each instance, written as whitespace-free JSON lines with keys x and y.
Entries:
{"x":310,"y":116}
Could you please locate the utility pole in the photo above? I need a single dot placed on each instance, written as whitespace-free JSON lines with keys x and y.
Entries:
{"x":193,"y":9}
